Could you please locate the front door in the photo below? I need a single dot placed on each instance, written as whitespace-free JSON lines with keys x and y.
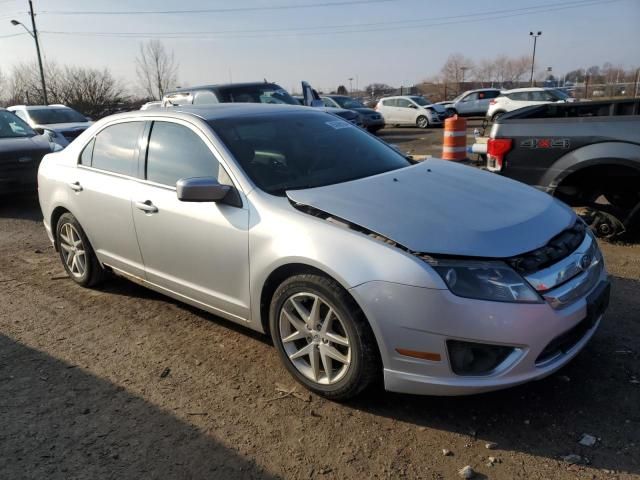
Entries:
{"x":196,"y":250}
{"x":407,"y":112}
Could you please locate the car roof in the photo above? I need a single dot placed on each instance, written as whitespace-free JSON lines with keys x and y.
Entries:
{"x":220,"y":111}
{"x":220,"y":85}
{"x":528,"y":89}
{"x":38,"y":107}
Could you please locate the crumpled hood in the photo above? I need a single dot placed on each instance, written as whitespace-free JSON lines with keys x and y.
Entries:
{"x":439,"y":207}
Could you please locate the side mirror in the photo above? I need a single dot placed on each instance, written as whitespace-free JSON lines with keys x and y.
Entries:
{"x":411,"y":105}
{"x":39,"y":130}
{"x":206,"y":189}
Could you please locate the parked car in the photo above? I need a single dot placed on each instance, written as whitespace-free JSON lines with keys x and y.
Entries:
{"x":440,"y":278}
{"x":410,"y":110}
{"x":21,"y":150}
{"x":371,"y":119}
{"x":510,"y":100}
{"x":59,"y":122}
{"x":580,"y":152}
{"x":251,"y":92}
{"x":471,"y":103}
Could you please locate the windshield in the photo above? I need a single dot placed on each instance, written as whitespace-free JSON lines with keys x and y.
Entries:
{"x":291,"y":151}
{"x":264,"y":93}
{"x":348,"y":102}
{"x":45,"y":116}
{"x":559,"y":94}
{"x":420,"y":100}
{"x":12,"y":127}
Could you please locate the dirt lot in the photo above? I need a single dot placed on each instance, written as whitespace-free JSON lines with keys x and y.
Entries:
{"x":123,"y":383}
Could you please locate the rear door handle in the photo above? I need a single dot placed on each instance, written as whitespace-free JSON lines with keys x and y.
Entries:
{"x":146,"y":206}
{"x":75,"y":186}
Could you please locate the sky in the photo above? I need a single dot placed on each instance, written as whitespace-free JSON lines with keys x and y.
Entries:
{"x":326,"y":42}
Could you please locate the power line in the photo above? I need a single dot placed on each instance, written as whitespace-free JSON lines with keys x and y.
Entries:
{"x":571,"y":3}
{"x":352,"y":28}
{"x":13,"y":35}
{"x":213,"y":10}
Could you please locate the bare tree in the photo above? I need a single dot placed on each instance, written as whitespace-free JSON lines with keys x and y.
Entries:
{"x":156,"y":69}
{"x":454,"y":70}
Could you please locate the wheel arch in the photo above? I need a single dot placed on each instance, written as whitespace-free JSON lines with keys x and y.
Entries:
{"x":55,"y":216}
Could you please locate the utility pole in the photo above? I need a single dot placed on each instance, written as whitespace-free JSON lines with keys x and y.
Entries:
{"x":34,"y":34}
{"x":637,"y":83}
{"x":533,"y":58}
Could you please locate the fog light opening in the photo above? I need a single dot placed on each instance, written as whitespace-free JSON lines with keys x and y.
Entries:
{"x":474,"y":359}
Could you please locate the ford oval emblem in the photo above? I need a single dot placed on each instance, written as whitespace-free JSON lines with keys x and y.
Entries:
{"x":585,"y":261}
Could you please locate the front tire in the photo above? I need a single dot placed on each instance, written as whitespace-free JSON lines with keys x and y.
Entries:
{"x":322,"y":337}
{"x":422,"y":122}
{"x":78,"y":258}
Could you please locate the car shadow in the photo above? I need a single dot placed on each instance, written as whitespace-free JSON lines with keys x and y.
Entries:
{"x":72,"y":432}
{"x":597,"y":394}
{"x":24,"y":206}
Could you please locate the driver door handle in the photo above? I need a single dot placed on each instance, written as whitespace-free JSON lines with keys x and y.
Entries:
{"x":75,"y":186}
{"x":147,"y":206}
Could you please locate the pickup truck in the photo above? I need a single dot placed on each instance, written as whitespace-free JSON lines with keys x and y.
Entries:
{"x":587,"y":154}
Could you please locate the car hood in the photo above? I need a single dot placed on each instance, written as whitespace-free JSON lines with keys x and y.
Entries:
{"x":444,"y":103}
{"x":436,"y":106}
{"x":61,"y":127}
{"x":438,"y":207}
{"x":24,"y":144}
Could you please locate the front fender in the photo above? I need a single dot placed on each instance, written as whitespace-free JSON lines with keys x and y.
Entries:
{"x":605,"y":153}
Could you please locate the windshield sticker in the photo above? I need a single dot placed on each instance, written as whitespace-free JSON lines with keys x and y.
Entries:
{"x":338,"y":124}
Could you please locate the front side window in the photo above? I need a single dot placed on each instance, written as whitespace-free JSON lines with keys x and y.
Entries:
{"x":291,"y":151}
{"x":48,"y":116}
{"x":403,"y":103}
{"x":116,"y":147}
{"x":13,"y":127}
{"x":420,"y":100}
{"x":176,"y":152}
{"x":470,"y":98}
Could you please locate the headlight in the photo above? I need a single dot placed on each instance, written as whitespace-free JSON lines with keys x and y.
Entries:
{"x":490,"y":280}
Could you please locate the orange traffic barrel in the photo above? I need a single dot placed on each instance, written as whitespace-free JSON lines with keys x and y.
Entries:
{"x":454,"y":146}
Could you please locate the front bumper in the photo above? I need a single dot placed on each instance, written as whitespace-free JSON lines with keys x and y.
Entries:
{"x":421,"y":319}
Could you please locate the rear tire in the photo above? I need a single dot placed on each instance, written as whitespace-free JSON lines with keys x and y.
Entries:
{"x":346,"y":340}
{"x":77,"y":256}
{"x":496,"y":116}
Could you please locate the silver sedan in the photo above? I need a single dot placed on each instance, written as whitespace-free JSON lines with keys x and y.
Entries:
{"x":359,"y":263}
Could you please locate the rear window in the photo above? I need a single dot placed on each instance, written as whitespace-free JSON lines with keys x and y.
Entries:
{"x":12,"y":127}
{"x":260,"y":93}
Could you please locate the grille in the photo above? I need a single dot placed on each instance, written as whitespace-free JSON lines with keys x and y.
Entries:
{"x":559,"y":247}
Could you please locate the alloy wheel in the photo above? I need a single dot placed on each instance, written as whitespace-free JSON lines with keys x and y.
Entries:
{"x":314,"y":338}
{"x":423,"y":122}
{"x":73,"y":250}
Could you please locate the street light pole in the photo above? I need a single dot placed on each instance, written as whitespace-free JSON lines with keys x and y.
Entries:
{"x":533,"y":58}
{"x":350,"y":86}
{"x":34,"y":34}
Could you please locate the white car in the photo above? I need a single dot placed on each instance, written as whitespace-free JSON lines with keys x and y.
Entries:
{"x":411,"y":110}
{"x":517,"y":98}
{"x":59,"y":122}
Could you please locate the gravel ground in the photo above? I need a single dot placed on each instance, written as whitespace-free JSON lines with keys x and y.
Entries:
{"x":124,"y":383}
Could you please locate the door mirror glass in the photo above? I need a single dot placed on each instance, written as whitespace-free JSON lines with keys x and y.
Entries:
{"x":39,"y":130}
{"x":201,"y":189}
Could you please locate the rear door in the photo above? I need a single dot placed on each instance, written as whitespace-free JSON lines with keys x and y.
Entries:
{"x":387,"y":108}
{"x":483,"y":101}
{"x":102,"y":183}
{"x":197,"y":250}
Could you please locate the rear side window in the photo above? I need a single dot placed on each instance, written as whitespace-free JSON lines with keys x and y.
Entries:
{"x":390,"y":102}
{"x":491,"y":94}
{"x":176,"y":152}
{"x":115,"y":148}
{"x":518,"y":96}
